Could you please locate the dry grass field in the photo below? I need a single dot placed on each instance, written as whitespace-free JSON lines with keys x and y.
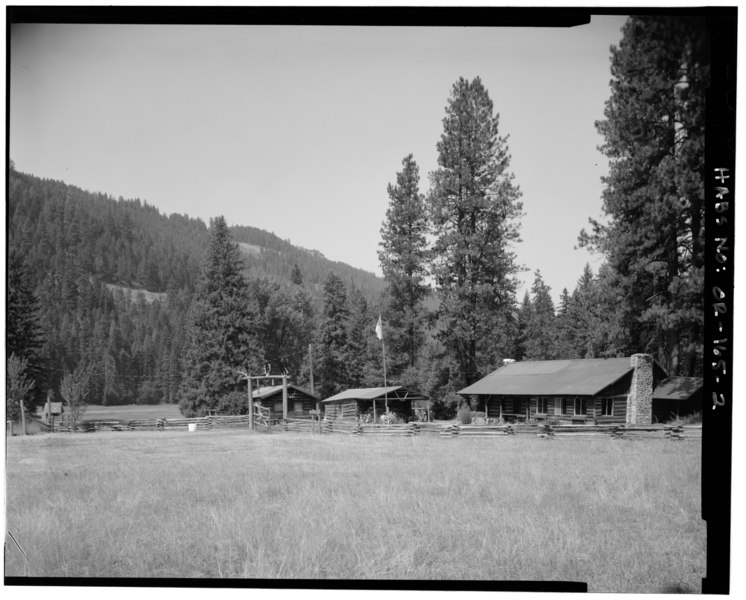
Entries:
{"x":621,"y":515}
{"x":129,"y":412}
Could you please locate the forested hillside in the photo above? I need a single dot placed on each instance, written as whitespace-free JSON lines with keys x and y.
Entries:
{"x":275,"y":257}
{"x":114,"y":281}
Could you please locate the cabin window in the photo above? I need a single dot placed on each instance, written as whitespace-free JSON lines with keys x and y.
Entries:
{"x":580,"y":407}
{"x":607,"y":407}
{"x":278,"y":406}
{"x":567,"y":406}
{"x":542,"y":405}
{"x":298,"y":407}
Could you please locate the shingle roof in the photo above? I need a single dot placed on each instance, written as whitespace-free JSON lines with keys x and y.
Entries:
{"x":677,"y":388}
{"x":398,"y":391}
{"x":265,"y":392}
{"x":582,"y":377}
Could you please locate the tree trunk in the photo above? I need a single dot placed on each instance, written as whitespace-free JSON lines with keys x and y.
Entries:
{"x":23,"y":417}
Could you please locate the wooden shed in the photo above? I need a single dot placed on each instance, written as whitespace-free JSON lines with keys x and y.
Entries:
{"x":677,"y":397}
{"x":51,"y":411}
{"x":365,"y":402}
{"x":600,"y":390}
{"x":300,"y":401}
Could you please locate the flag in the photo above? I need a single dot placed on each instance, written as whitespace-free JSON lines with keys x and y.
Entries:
{"x":379,"y":328}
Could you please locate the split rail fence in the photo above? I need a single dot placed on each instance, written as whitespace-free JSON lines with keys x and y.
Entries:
{"x":354,"y":428}
{"x":198,"y":423}
{"x":552,"y":431}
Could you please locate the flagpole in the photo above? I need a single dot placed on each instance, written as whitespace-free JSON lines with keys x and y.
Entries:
{"x":385,"y":385}
{"x":379,"y":333}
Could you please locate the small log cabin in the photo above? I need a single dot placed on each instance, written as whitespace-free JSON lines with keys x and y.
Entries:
{"x":300,"y":401}
{"x":354,"y":403}
{"x":599,"y":390}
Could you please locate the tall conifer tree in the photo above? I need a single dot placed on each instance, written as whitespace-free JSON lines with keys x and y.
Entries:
{"x":541,"y":332}
{"x":474,"y":205}
{"x":221,"y":328}
{"x":403,"y":257}
{"x":565,"y":327}
{"x":333,"y":372}
{"x":654,"y":196}
{"x":23,"y":335}
{"x":285,"y":323}
{"x":524,"y":318}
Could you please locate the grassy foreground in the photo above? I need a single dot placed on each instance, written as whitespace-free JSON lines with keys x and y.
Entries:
{"x":621,"y":515}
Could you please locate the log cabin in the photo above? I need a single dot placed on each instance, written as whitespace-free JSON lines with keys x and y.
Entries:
{"x":359,"y":403}
{"x":300,"y":401}
{"x":598,"y":390}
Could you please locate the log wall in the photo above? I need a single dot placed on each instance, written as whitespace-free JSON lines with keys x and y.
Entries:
{"x":345,"y":409}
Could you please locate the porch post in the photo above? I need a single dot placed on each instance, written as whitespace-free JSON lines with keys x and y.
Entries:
{"x":284,"y":397}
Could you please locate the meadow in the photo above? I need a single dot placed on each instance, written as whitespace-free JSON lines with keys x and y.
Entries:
{"x":621,"y":515}
{"x":129,"y":412}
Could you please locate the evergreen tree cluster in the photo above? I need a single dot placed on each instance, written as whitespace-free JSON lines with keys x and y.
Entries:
{"x":448,"y":256}
{"x":582,"y":326}
{"x":109,"y":285}
{"x":653,"y":239}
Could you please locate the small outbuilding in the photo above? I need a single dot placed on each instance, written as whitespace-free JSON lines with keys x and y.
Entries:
{"x":51,"y":411}
{"x":371,"y":402}
{"x":600,"y":390}
{"x":300,"y":401}
{"x":677,"y":397}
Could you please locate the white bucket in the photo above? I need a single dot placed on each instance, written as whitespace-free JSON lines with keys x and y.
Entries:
{"x":192,"y":426}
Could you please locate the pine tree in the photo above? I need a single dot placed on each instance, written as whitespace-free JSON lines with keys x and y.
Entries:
{"x":564,"y":327}
{"x":541,"y":332}
{"x":18,"y":386}
{"x":364,"y":349}
{"x":654,"y":196}
{"x":23,"y":334}
{"x":221,"y":328}
{"x":295,"y":275}
{"x":523,"y":320}
{"x":609,"y":324}
{"x":333,"y":353}
{"x":473,"y":210}
{"x":403,"y":257}
{"x":285,"y":323}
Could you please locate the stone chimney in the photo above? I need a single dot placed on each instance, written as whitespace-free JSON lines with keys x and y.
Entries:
{"x":640,"y":398}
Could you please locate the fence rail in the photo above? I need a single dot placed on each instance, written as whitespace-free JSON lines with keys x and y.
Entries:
{"x":350,"y":427}
{"x":200,"y":423}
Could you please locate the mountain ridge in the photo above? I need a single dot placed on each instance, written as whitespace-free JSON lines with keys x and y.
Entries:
{"x":264,"y":252}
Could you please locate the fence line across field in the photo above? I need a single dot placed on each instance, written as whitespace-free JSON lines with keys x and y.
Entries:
{"x":349,"y":427}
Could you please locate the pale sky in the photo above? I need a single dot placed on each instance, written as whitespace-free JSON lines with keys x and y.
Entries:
{"x":298,"y":130}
